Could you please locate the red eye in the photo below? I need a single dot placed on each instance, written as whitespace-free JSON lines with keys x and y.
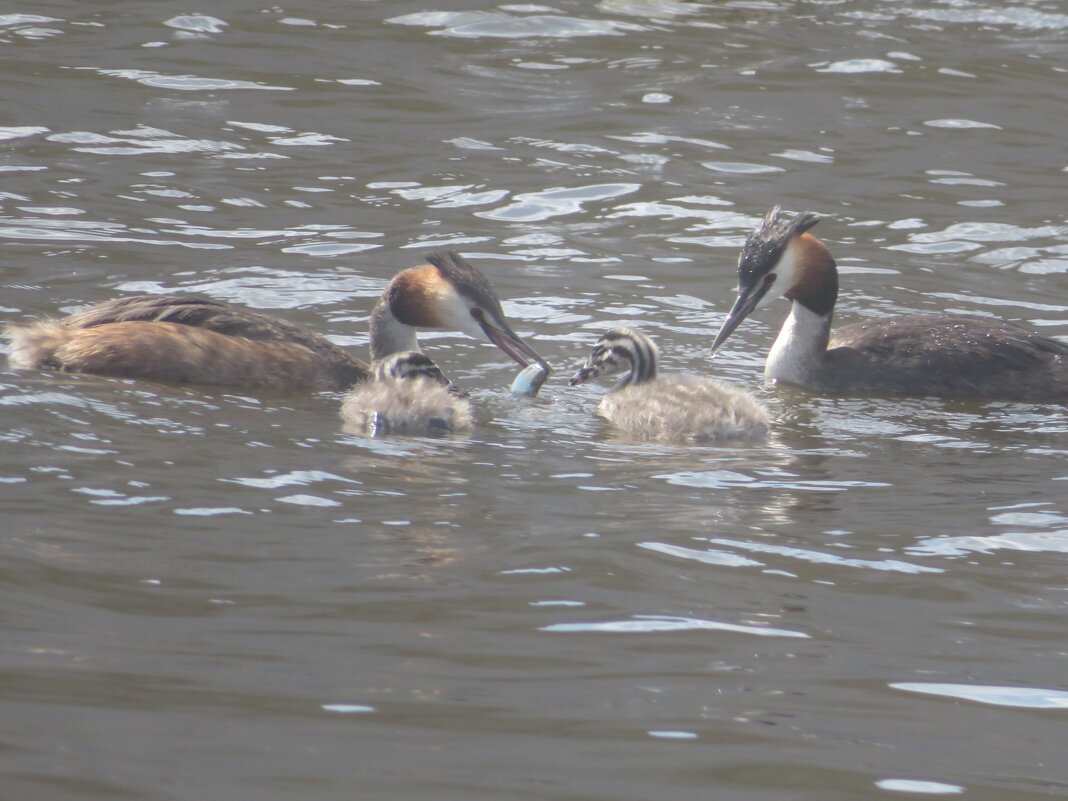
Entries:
{"x":477,"y":313}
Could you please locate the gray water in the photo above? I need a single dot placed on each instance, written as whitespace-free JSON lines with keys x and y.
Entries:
{"x":215,"y":595}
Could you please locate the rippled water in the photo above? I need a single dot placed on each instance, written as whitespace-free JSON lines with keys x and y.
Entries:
{"x":216,"y":595}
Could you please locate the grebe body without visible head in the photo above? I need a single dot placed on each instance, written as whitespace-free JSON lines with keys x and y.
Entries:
{"x":947,"y":355}
{"x":409,"y":396}
{"x":678,"y":407}
{"x":185,"y":340}
{"x":181,"y":339}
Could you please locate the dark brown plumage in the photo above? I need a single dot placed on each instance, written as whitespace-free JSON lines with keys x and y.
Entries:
{"x":948,"y":355}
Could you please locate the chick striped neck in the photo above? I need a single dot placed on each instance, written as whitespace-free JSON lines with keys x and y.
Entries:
{"x":407,"y":365}
{"x":629,"y":348}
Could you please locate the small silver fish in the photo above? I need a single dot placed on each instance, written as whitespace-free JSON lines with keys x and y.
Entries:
{"x":529,"y":380}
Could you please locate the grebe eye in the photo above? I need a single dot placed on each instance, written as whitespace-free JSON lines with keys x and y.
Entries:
{"x":477,"y":313}
{"x":769,"y":279}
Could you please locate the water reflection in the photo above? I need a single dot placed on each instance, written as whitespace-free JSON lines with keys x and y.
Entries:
{"x":1025,"y":697}
{"x":644,"y":624}
{"x":510,"y":25}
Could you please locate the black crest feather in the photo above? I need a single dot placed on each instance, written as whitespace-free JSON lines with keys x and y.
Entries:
{"x":766,"y":242}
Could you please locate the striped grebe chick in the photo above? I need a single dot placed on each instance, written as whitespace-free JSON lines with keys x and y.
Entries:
{"x":180,"y":339}
{"x":675,"y":407}
{"x":947,"y":355}
{"x":409,"y":396}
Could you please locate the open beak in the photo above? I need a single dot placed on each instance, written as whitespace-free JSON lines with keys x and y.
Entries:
{"x":508,"y":341}
{"x":743,"y":307}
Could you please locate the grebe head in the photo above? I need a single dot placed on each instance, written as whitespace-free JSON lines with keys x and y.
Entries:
{"x":450,"y":293}
{"x":780,"y":259}
{"x":409,"y":364}
{"x":620,"y":350}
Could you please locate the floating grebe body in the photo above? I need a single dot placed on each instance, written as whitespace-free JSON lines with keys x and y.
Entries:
{"x":667,"y":408}
{"x":182,"y":339}
{"x":409,"y":396}
{"x":946,"y":355}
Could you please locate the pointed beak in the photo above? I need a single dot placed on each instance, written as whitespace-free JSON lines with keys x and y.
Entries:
{"x":508,"y":341}
{"x":743,"y":307}
{"x":583,"y":375}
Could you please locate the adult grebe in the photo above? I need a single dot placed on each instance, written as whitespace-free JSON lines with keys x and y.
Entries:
{"x":949,"y":355}
{"x":182,"y":339}
{"x":409,"y":396}
{"x":677,"y":407}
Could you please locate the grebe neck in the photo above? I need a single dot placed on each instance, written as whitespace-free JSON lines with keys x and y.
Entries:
{"x":801,"y":347}
{"x":388,"y":334}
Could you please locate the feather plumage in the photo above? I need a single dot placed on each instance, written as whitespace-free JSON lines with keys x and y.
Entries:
{"x":409,"y":397}
{"x":183,"y":339}
{"x":647,"y":406}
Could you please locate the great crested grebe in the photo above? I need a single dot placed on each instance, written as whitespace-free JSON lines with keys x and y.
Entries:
{"x":949,"y":355}
{"x":409,"y":396}
{"x":676,"y":407}
{"x":181,"y":339}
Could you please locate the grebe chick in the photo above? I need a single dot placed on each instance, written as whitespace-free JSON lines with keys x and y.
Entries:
{"x":409,"y":396}
{"x":180,"y":339}
{"x":676,"y":407}
{"x":948,"y":355}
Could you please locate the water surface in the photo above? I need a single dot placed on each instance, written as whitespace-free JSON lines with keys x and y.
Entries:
{"x":210,"y":594}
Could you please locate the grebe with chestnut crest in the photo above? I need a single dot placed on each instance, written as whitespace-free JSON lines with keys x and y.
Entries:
{"x":184,"y":339}
{"x":947,"y":355}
